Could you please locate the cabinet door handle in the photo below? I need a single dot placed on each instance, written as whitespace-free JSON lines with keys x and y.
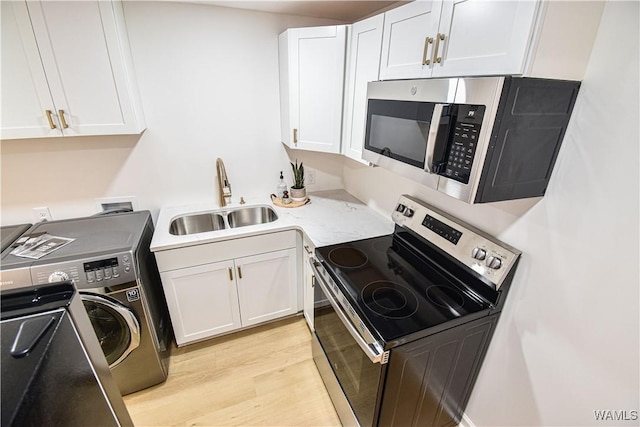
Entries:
{"x":313,"y":281}
{"x":62,"y":120}
{"x":307,"y":249}
{"x":437,"y":59}
{"x":295,"y":136}
{"x":51,"y":124}
{"x":239,"y":273}
{"x":230,"y":274}
{"x":425,"y":52}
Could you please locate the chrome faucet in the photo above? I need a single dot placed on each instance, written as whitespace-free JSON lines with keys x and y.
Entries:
{"x":224,"y":187}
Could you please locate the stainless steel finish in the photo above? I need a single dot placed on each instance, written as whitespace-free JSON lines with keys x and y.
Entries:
{"x":471,"y":90}
{"x":221,"y":219}
{"x":129,"y":318}
{"x":361,"y":335}
{"x":338,"y":398}
{"x":198,"y":223}
{"x":478,"y":253}
{"x":251,"y":216}
{"x":471,"y":239}
{"x":494,"y":262}
{"x":224,"y":186}
{"x":433,"y":135}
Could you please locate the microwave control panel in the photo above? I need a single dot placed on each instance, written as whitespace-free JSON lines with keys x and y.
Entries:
{"x":463,"y":142}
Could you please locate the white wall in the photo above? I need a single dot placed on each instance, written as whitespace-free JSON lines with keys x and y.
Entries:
{"x":568,"y":340}
{"x":208,"y":79}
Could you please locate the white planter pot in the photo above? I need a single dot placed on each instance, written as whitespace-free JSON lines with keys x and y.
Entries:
{"x":298,"y":194}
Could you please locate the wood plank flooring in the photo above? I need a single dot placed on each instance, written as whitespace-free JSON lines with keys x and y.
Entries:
{"x":264,"y":376}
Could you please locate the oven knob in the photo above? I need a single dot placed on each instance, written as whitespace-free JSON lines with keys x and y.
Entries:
{"x":478,"y":253}
{"x":408,"y":212}
{"x":58,"y":276}
{"x":400,"y":208}
{"x":494,"y":262}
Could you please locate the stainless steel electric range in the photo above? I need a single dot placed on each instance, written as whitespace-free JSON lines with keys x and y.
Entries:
{"x":403,"y":322}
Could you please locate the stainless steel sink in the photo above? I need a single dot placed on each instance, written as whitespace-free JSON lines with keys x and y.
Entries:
{"x":251,"y":216}
{"x":197,"y":223}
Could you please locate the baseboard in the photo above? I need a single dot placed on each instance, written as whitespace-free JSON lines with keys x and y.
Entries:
{"x":466,"y":421}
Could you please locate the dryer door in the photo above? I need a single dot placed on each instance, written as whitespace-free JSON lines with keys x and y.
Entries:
{"x":116,"y":326}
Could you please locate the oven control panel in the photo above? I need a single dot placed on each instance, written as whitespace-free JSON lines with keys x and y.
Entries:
{"x":95,"y":272}
{"x":480,"y":252}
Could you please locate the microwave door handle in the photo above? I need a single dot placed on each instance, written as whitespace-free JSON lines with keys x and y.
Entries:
{"x":433,"y":136}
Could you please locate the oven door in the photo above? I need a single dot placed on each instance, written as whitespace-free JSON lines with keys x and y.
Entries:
{"x":352,"y":369}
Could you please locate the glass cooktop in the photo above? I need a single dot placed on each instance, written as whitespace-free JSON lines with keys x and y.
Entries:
{"x":395,"y":296}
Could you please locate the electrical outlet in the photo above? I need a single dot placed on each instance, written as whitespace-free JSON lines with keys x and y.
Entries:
{"x":42,"y":214}
{"x":311,"y":176}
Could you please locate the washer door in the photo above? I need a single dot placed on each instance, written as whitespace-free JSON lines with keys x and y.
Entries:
{"x":116,"y":326}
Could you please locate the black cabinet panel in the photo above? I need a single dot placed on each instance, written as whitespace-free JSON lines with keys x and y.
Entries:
{"x":534,"y":115}
{"x":429,"y":381}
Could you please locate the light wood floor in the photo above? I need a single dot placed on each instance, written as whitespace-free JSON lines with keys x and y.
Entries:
{"x":260,"y":377}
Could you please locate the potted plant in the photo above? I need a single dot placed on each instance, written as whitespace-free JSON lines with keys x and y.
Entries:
{"x":298,"y":192}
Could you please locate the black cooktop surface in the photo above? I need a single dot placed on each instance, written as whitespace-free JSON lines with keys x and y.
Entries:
{"x":395,"y":296}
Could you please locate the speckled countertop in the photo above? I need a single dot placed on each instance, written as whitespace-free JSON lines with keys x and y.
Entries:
{"x":332,"y":217}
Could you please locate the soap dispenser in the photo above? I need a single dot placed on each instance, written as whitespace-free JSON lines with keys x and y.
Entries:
{"x":282,"y":187}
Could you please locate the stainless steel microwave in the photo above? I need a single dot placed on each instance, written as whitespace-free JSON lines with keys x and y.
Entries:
{"x":481,"y":139}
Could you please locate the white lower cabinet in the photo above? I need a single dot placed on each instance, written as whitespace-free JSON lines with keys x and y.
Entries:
{"x":267,"y":286}
{"x":202,"y":300}
{"x":221,"y":296}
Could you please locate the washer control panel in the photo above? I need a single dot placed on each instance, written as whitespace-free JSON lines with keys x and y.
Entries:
{"x":88,"y":273}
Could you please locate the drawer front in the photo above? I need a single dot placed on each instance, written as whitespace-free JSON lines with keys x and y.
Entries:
{"x":190,"y":256}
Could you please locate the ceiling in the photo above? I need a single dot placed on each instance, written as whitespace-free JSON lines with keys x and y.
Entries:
{"x":346,"y":11}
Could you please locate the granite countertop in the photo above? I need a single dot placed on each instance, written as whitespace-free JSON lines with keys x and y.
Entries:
{"x":332,"y":217}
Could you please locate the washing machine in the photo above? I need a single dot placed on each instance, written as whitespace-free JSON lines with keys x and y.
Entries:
{"x":110,"y":263}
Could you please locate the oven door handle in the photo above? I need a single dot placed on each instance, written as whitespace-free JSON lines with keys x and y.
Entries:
{"x":373,"y":354}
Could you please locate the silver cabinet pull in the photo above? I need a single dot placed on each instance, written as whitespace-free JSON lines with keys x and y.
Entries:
{"x":295,"y":136}
{"x":62,"y":120}
{"x":51,"y":124}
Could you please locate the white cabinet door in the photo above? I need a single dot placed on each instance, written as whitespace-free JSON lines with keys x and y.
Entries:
{"x":267,"y":287}
{"x":484,"y":37}
{"x":82,"y":48}
{"x":407,"y":43}
{"x":202,"y":301}
{"x":311,"y":84}
{"x":446,"y":38}
{"x":308,"y":283}
{"x":25,"y":91}
{"x":365,"y":43}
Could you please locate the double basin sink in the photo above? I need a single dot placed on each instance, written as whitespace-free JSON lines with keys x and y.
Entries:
{"x":221,"y":220}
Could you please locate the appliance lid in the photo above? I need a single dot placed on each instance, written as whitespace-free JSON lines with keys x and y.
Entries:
{"x":10,"y":233}
{"x":94,"y":236}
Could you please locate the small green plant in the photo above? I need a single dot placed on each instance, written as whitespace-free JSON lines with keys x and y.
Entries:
{"x":298,"y":175}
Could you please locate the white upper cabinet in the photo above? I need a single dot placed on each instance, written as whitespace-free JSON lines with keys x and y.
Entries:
{"x":67,"y":70}
{"x":409,"y":33}
{"x":457,"y":38}
{"x":311,"y":84}
{"x":363,"y":66}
